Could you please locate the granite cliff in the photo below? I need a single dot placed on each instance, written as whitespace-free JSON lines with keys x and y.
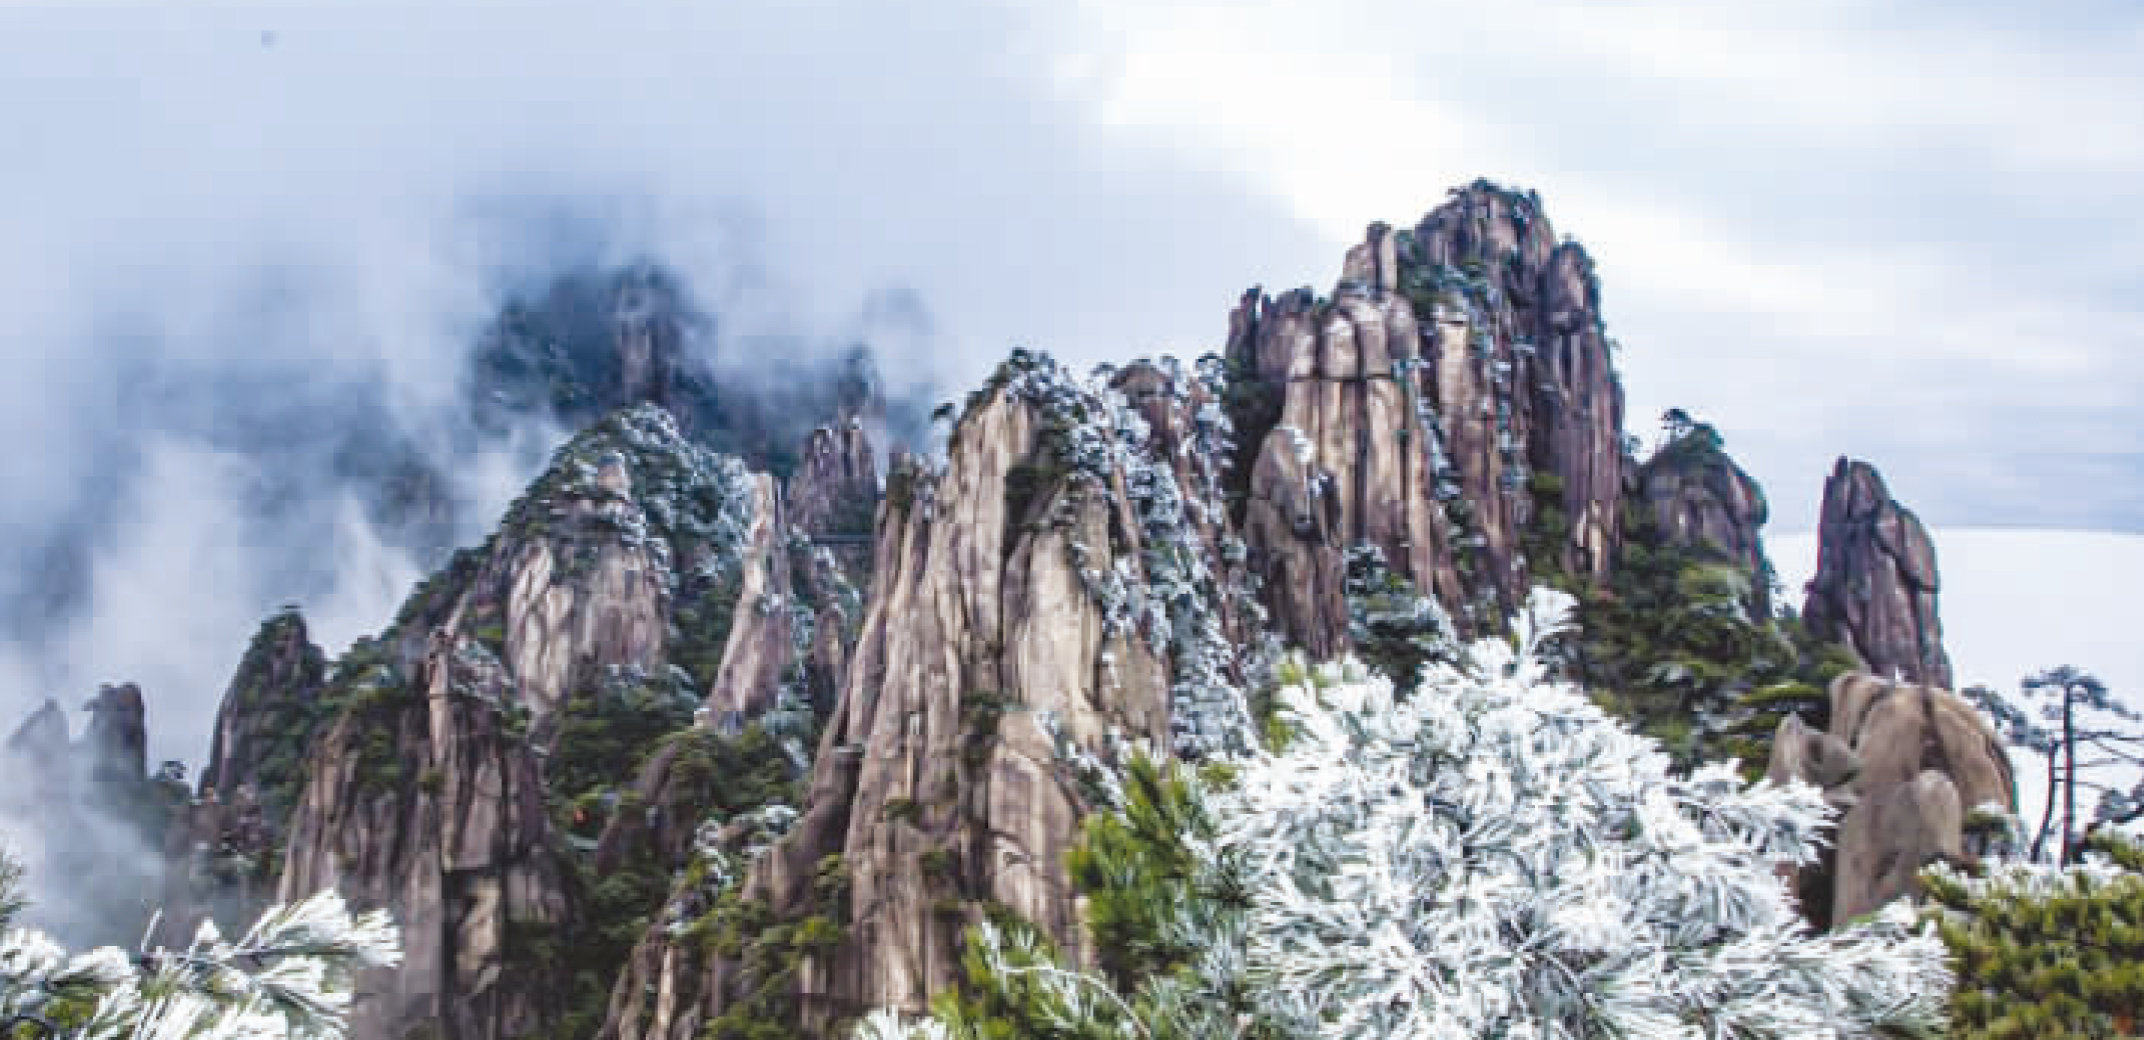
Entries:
{"x":1876,"y":582}
{"x":730,"y":730}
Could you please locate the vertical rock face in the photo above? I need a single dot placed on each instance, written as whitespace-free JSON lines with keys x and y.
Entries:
{"x":1908,"y":762}
{"x":424,"y":800}
{"x":1412,"y":411}
{"x":221,"y":848}
{"x":1354,"y":456}
{"x":1875,"y":586}
{"x":835,"y":488}
{"x":1040,"y":601}
{"x":269,"y":716}
{"x":1531,"y":382}
{"x":761,"y":644}
{"x":832,"y":502}
{"x":1697,"y":497}
{"x":807,"y":548}
{"x":600,"y":605}
{"x":117,"y":741}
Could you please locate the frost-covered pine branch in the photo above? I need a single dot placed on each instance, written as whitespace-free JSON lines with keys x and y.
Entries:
{"x":1494,"y":856}
{"x":290,"y":975}
{"x":1490,"y":856}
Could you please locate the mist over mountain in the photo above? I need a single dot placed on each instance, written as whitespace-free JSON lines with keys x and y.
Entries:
{"x":694,"y":508}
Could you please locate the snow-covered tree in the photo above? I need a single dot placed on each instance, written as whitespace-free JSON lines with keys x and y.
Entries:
{"x":1490,"y":856}
{"x":289,"y":976}
{"x":1494,"y":856}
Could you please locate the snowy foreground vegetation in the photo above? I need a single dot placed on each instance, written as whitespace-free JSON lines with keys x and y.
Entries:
{"x":1491,"y":856}
{"x":289,"y":976}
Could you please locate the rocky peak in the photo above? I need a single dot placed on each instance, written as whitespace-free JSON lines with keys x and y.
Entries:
{"x":835,"y":488}
{"x":117,"y":739}
{"x":1040,"y":602}
{"x":1697,"y":497}
{"x":270,"y":715}
{"x":515,"y":687}
{"x":593,"y":342}
{"x":589,"y":344}
{"x":1453,"y":404}
{"x":1876,"y":582}
{"x":646,"y":308}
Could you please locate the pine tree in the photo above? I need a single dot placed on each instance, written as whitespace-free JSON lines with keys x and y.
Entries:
{"x":2046,"y":953}
{"x":2068,"y":718}
{"x":288,"y":976}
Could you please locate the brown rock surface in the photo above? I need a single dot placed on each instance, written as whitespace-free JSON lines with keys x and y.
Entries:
{"x":423,"y":801}
{"x":761,"y":643}
{"x":835,"y":488}
{"x":1876,"y":583}
{"x":428,"y":796}
{"x":1453,"y":362}
{"x":994,"y":643}
{"x":1907,"y":762}
{"x":1698,"y":497}
{"x":269,"y":714}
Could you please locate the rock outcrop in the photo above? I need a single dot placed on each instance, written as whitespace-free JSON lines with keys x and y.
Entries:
{"x":423,"y":799}
{"x":1907,"y":763}
{"x":1039,"y":602}
{"x":834,"y":491}
{"x":222,"y":849}
{"x":270,"y":715}
{"x":84,"y":810}
{"x":762,"y":643}
{"x":1876,"y":582}
{"x":1455,"y":393}
{"x":117,"y":740}
{"x":1697,"y":497}
{"x":592,"y":342}
{"x":581,"y":630}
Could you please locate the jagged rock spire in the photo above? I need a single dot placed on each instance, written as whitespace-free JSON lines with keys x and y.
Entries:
{"x":1454,"y":398}
{"x":1699,"y":498}
{"x":1876,"y":582}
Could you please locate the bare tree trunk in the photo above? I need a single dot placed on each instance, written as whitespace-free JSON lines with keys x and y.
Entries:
{"x":2069,"y":780}
{"x":2047,"y":814}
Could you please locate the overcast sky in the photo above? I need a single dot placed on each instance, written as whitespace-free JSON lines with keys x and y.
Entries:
{"x":1908,"y":232}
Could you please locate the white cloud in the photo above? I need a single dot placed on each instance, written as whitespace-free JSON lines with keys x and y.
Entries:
{"x":1817,"y":224}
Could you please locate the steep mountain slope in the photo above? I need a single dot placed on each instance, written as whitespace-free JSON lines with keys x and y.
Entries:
{"x":1454,"y":395}
{"x":473,"y":767}
{"x":685,"y":749}
{"x":1045,"y":599}
{"x":1104,"y":562}
{"x":1876,"y":582}
{"x":432,"y":793}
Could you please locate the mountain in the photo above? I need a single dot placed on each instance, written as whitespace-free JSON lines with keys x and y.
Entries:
{"x":726,"y":730}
